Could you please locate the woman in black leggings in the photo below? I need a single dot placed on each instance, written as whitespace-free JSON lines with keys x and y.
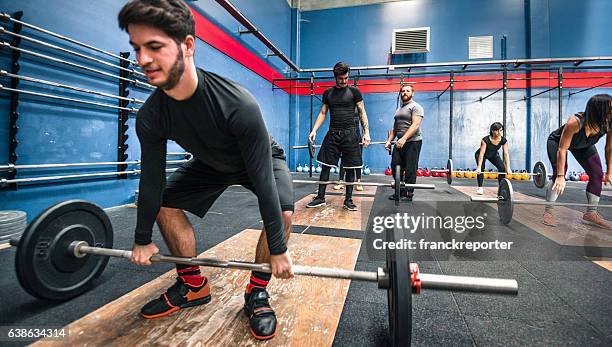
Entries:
{"x":579,"y":135}
{"x":489,"y":149}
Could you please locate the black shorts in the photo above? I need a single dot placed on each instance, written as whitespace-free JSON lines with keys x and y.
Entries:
{"x":195,"y":186}
{"x":341,"y":143}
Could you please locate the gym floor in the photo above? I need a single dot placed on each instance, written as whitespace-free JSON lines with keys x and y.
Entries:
{"x":561,"y":301}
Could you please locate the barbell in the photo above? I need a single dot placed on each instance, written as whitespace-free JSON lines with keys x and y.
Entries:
{"x":318,"y":146}
{"x":539,"y":173}
{"x":396,"y":184}
{"x":67,"y":247}
{"x":505,"y":202}
{"x":312,"y":146}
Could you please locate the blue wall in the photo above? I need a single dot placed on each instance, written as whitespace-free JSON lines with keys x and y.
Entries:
{"x":534,"y":29}
{"x":59,"y":132}
{"x":581,"y":27}
{"x":362,"y":35}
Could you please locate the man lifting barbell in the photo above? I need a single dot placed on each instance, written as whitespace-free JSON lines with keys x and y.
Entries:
{"x":218,"y":121}
{"x":66,"y":248}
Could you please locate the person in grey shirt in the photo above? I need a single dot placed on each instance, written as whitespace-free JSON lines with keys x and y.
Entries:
{"x":407,"y":129}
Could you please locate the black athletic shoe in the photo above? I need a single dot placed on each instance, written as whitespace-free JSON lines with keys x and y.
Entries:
{"x":179,"y":295}
{"x":349,"y":205}
{"x":262,"y":320}
{"x":407,"y":196}
{"x":393,"y":197}
{"x":316,"y":202}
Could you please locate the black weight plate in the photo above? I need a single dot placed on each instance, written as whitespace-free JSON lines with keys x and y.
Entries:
{"x":398,"y":184}
{"x":45,"y":268}
{"x":505,"y":202}
{"x":311,"y":148}
{"x":399,"y":293}
{"x":540,"y":175}
{"x":449,"y":171}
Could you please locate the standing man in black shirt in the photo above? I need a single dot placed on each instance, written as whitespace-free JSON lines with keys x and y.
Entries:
{"x":342,"y":139}
{"x":407,"y":149}
{"x":220,"y":123}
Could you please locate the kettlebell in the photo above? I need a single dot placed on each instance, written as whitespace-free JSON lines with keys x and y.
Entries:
{"x":435,"y":173}
{"x":584,"y":177}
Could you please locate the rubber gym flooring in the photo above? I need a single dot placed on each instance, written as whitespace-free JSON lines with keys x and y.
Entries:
{"x":564,"y":277}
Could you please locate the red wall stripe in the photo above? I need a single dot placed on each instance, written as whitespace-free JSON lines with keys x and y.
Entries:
{"x":471,"y":82}
{"x":219,"y":39}
{"x":226,"y":44}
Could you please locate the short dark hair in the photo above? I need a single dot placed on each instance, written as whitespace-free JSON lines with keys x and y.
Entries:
{"x":598,"y":112}
{"x":495,"y":126}
{"x":171,"y":16}
{"x":341,"y":68}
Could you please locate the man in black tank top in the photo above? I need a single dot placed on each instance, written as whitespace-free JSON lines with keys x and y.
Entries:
{"x":220,"y":123}
{"x":342,"y":139}
{"x":579,"y":136}
{"x":489,"y":150}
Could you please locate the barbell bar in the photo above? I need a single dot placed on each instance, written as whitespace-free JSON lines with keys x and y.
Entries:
{"x":505,"y":202}
{"x":539,"y":173}
{"x":79,"y":66}
{"x":361,"y":143}
{"x":374,"y":184}
{"x":4,"y":182}
{"x":13,"y":167}
{"x":312,"y":146}
{"x":67,"y":247}
{"x":80,"y":101}
{"x":427,"y":281}
{"x":7,"y":17}
{"x":66,"y":86}
{"x":483,"y":172}
{"x":71,"y":52}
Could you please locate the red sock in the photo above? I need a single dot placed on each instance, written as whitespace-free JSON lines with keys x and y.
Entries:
{"x":191,"y":275}
{"x":256,"y":283}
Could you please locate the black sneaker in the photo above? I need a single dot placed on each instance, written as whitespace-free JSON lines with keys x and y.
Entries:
{"x":407,"y":196}
{"x":316,"y":202}
{"x":262,"y":320}
{"x":179,"y":295}
{"x":349,"y":205}
{"x":393,"y":197}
